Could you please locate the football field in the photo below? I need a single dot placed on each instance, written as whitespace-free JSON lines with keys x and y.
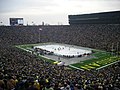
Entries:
{"x":73,"y":56}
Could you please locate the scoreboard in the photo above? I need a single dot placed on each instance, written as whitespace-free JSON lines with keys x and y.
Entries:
{"x":16,"y":21}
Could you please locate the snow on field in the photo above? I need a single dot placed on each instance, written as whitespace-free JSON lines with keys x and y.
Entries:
{"x":62,"y":50}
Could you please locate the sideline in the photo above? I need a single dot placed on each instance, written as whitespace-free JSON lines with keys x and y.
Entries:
{"x":108,"y":65}
{"x":75,"y":67}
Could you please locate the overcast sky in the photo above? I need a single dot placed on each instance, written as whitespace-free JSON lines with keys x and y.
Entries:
{"x":52,"y":11}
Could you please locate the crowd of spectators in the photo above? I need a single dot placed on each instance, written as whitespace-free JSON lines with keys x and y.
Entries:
{"x":20,"y":70}
{"x":99,"y":36}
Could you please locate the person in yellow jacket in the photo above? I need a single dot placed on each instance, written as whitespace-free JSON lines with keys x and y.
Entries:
{"x":37,"y":84}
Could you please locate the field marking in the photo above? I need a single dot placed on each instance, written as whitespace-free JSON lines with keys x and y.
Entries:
{"x":76,"y":67}
{"x":108,"y":65}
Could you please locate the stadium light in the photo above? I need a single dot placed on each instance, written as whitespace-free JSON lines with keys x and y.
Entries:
{"x":40,"y":29}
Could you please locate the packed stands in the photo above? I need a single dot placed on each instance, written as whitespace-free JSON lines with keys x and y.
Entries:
{"x":20,"y":70}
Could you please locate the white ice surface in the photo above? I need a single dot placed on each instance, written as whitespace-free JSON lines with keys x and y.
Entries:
{"x":63,"y":50}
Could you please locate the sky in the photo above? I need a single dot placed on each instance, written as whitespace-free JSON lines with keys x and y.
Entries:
{"x":52,"y":12}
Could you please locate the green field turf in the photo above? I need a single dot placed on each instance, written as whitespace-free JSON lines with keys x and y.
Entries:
{"x":103,"y":59}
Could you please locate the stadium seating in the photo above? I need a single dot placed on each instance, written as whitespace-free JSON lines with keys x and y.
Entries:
{"x":20,"y":70}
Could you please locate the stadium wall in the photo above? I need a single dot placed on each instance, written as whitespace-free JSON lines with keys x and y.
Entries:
{"x":95,"y":18}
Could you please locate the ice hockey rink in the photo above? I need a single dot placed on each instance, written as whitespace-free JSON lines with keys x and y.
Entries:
{"x":62,"y":50}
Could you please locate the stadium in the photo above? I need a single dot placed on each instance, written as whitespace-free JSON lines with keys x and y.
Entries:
{"x":79,"y":56}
